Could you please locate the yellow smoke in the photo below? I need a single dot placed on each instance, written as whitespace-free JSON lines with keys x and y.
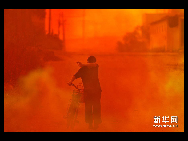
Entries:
{"x":35,"y":104}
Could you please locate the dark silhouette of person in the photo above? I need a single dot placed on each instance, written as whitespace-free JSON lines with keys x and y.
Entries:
{"x":92,"y":91}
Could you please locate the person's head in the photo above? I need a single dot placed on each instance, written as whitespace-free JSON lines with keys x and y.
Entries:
{"x":91,"y":59}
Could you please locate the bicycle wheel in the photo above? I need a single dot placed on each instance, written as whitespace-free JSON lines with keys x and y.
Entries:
{"x":72,"y":115}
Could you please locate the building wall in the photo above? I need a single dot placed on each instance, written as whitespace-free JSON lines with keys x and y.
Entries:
{"x":164,"y":37}
{"x":173,"y":38}
{"x":181,"y":21}
{"x":147,"y":19}
{"x":176,"y":36}
{"x":24,"y":26}
{"x":158,"y":36}
{"x":39,"y":23}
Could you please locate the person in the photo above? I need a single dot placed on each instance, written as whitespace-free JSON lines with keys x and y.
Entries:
{"x":92,"y":91}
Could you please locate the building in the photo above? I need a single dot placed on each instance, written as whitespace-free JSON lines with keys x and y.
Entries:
{"x":147,"y":19}
{"x":167,"y":34}
{"x":24,"y":27}
{"x":164,"y":31}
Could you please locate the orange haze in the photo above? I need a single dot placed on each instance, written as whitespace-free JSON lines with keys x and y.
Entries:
{"x":102,"y":26}
{"x":136,"y":86}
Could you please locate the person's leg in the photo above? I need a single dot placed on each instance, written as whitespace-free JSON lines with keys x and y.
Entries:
{"x":97,"y":113}
{"x":88,"y":113}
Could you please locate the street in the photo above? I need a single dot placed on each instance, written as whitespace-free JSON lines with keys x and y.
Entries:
{"x":135,"y":88}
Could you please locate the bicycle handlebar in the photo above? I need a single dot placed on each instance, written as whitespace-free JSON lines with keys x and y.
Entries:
{"x":73,"y":85}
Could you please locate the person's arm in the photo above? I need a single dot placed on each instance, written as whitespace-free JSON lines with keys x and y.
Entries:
{"x":70,"y":82}
{"x":87,"y":65}
{"x":77,"y":75}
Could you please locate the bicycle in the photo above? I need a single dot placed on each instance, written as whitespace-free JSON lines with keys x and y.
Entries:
{"x":77,"y":98}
